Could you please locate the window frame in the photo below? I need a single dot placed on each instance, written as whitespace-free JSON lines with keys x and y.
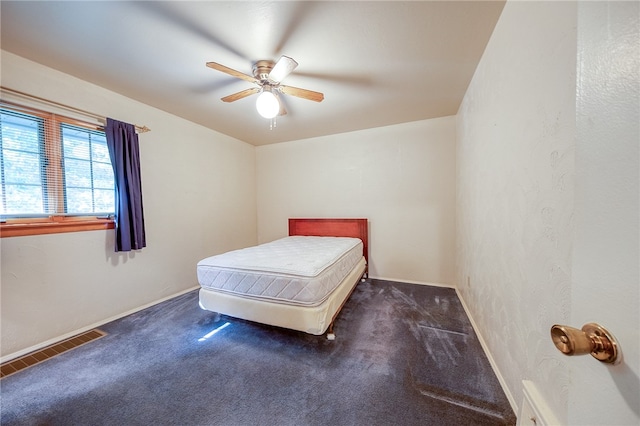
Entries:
{"x":56,"y":224}
{"x":53,"y":223}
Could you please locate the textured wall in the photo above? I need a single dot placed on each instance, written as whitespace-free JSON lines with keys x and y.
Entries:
{"x":401,"y":177}
{"x":515,"y":158}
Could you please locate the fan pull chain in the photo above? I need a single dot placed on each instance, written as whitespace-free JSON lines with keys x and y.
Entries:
{"x":273,"y":124}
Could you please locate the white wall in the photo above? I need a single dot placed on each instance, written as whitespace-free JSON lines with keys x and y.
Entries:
{"x":515,"y":198}
{"x":199,"y":199}
{"x":401,"y":177}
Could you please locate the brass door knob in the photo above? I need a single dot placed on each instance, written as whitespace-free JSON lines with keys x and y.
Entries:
{"x":593,"y":339}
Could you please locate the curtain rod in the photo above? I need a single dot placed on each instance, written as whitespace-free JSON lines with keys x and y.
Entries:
{"x":139,"y":129}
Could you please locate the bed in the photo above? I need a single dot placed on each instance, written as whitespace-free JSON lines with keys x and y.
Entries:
{"x":300,"y":282}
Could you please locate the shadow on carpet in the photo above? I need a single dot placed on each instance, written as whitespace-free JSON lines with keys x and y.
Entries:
{"x":404,"y":354}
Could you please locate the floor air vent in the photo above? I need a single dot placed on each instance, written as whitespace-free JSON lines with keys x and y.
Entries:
{"x":44,"y":354}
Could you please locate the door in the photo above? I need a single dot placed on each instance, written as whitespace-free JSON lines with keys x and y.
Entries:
{"x":606,"y":257}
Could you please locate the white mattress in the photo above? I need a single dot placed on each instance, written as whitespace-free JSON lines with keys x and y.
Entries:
{"x":296,"y":270}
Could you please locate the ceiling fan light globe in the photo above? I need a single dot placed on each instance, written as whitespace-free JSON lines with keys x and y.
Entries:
{"x":267,"y":105}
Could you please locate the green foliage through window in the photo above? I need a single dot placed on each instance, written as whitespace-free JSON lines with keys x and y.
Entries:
{"x":50,"y":167}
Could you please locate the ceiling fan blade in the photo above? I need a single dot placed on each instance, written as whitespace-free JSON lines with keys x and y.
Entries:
{"x":283,"y":108}
{"x":230,"y":71}
{"x":240,"y":95}
{"x":302,"y":93}
{"x":282,"y":68}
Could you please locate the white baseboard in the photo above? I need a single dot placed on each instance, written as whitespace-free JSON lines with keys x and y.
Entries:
{"x":399,"y":280}
{"x":494,"y":366}
{"x":49,"y":342}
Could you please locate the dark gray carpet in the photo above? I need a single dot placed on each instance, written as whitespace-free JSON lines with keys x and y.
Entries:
{"x":404,"y":355}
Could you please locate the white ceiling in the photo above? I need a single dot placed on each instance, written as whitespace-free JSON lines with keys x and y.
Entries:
{"x":377,"y":63}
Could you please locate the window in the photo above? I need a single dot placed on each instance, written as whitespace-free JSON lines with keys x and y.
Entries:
{"x":55,"y":171}
{"x":88,"y":174}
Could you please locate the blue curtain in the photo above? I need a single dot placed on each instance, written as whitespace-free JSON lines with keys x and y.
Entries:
{"x":122,"y":141}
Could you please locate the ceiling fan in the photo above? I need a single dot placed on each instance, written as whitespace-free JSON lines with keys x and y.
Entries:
{"x":268,"y":75}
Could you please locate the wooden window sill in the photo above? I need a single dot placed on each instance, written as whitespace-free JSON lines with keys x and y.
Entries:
{"x":53,"y":225}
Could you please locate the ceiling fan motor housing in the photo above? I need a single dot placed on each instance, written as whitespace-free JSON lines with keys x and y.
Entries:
{"x":261,"y":69}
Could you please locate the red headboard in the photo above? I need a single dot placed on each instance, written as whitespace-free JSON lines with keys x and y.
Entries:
{"x":357,"y":228}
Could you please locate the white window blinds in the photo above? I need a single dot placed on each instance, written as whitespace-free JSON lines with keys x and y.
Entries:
{"x":52,"y":165}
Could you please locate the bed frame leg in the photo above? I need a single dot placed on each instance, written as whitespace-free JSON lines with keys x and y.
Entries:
{"x":330,"y":334}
